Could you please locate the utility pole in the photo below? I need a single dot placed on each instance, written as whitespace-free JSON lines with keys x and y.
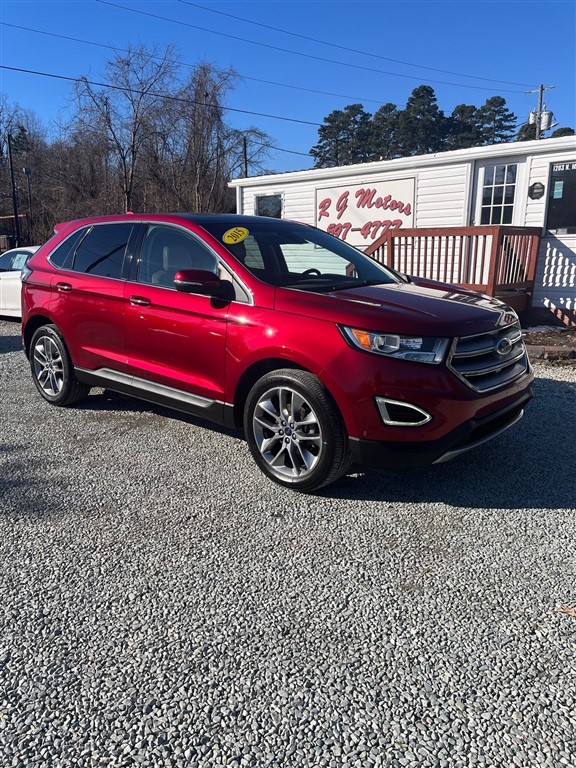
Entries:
{"x":14,"y":196}
{"x":27,"y":172}
{"x":540,"y":108}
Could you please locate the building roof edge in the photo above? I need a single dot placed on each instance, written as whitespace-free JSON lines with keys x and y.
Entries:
{"x":542,"y":146}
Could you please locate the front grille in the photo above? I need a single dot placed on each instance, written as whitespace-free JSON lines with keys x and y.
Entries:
{"x":491,"y":360}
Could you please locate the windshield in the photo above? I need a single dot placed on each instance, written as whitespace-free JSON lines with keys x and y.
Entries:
{"x":292,"y":255}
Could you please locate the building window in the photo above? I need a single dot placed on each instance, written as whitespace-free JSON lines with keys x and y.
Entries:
{"x":269,"y":205}
{"x":498,"y":194}
{"x":562,"y":198}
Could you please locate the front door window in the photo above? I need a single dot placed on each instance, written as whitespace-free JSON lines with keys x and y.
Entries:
{"x":561,"y":216}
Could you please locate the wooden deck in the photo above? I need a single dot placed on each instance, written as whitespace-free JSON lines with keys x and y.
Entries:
{"x":496,"y":260}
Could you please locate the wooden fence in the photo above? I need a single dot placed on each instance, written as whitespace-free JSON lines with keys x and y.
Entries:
{"x":496,"y":260}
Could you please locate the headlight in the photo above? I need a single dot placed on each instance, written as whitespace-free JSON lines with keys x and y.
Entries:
{"x":420,"y":349}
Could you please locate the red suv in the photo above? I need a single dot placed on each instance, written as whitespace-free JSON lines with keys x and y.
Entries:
{"x":322,"y":355}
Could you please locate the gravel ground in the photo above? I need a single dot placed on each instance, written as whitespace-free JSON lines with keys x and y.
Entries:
{"x":162,"y":604}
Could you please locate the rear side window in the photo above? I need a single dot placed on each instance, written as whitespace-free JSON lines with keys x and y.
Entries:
{"x":102,"y":251}
{"x":63,"y":255}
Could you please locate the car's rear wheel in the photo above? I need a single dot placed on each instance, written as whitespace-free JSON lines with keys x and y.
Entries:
{"x":295,"y":431}
{"x":52,"y":369}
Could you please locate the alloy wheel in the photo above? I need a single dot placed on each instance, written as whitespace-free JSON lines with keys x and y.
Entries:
{"x":48,"y":366}
{"x":287,"y":432}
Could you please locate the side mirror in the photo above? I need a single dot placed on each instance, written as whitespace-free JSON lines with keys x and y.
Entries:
{"x":203,"y":282}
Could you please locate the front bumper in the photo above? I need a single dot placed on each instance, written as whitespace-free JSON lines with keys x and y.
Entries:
{"x":463,"y":438}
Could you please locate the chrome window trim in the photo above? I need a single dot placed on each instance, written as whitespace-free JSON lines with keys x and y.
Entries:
{"x":88,"y":228}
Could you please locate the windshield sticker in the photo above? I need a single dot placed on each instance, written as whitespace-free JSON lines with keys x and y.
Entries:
{"x":236,"y":235}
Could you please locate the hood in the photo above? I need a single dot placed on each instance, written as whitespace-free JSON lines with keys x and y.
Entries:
{"x":422,"y":307}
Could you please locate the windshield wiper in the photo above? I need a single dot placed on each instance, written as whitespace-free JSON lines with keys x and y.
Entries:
{"x":363,"y":283}
{"x":329,"y":286}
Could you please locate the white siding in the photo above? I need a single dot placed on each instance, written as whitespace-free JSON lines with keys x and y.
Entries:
{"x":298,"y":200}
{"x":299,"y":204}
{"x":441,"y":196}
{"x":555,"y":286}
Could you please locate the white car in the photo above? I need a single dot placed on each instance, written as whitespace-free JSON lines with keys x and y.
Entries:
{"x":11,"y":263}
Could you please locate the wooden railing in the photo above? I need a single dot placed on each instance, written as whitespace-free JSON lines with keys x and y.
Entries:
{"x":496,"y":260}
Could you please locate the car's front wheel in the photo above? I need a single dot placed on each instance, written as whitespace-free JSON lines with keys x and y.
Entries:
{"x":52,"y":369}
{"x":295,"y":431}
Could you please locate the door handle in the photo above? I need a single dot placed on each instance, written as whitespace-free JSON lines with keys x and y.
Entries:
{"x":139,"y":301}
{"x":64,"y":287}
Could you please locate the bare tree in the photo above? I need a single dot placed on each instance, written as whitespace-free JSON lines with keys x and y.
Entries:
{"x":142,"y":140}
{"x":23,"y":130}
{"x":195,"y":153}
{"x":129,"y":112}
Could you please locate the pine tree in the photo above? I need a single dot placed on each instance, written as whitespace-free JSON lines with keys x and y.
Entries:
{"x":422,"y":126}
{"x":344,"y":138}
{"x":562,"y":132}
{"x":384,"y":132}
{"x":526,"y":132}
{"x":462,"y":127}
{"x":496,"y":124}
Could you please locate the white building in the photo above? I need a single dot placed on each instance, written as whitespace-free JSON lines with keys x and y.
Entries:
{"x":525,"y":184}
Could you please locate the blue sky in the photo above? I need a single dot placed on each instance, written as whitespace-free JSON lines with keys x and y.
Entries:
{"x":302,"y":60}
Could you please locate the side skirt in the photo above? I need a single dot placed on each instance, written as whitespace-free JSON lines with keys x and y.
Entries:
{"x":212,"y":410}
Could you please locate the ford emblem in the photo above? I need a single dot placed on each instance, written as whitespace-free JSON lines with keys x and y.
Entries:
{"x":504,"y":346}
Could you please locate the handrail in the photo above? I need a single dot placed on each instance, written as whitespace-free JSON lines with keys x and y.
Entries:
{"x":495,"y":259}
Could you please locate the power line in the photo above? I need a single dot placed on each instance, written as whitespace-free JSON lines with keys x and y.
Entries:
{"x":297,"y":53}
{"x":152,"y":93}
{"x":61,"y":37}
{"x":171,"y":98}
{"x":279,"y":149}
{"x":344,"y":48}
{"x":174,"y":98}
{"x":244,"y":77}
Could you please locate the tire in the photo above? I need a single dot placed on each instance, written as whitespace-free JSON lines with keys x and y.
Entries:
{"x":52,"y":370}
{"x":295,"y":431}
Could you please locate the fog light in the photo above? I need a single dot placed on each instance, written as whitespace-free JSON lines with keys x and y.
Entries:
{"x":395,"y":413}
